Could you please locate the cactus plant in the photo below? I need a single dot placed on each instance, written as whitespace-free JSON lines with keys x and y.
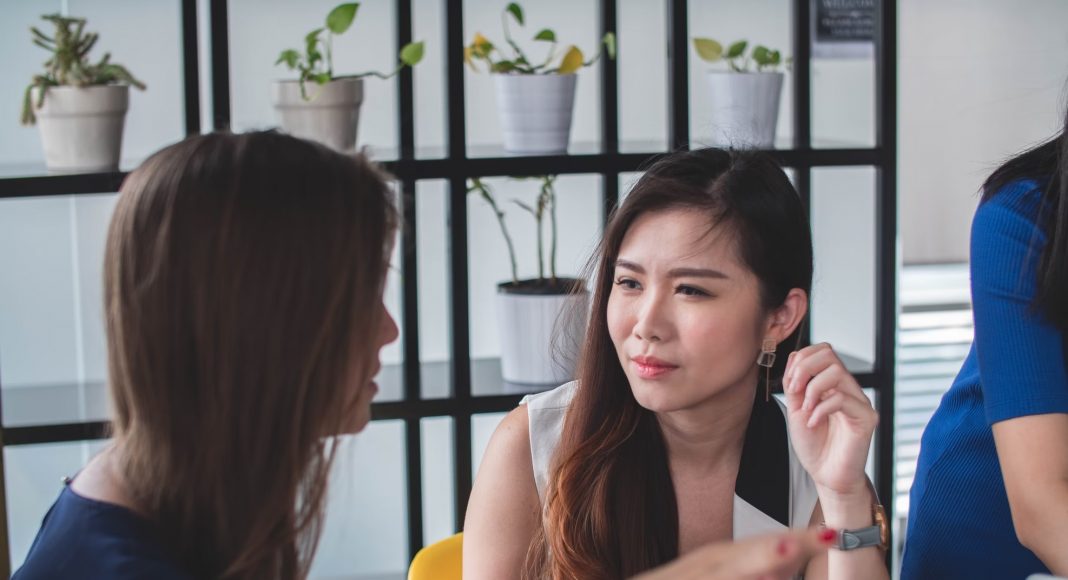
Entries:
{"x":69,"y":64}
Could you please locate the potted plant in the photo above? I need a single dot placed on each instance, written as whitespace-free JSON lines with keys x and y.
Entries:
{"x":535,"y":100}
{"x":79,"y":107}
{"x":532,"y":312}
{"x":320,"y":105}
{"x":745,"y":98}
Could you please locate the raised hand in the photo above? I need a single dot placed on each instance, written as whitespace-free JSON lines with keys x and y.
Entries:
{"x":831,"y":420}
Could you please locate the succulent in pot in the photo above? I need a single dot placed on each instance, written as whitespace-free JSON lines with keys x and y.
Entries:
{"x":79,"y":106}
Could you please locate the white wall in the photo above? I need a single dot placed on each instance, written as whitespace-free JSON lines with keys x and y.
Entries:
{"x":979,"y":80}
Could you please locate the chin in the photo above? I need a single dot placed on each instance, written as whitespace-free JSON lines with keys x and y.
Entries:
{"x":658,"y":397}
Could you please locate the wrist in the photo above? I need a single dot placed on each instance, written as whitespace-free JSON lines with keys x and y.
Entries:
{"x":847,"y":511}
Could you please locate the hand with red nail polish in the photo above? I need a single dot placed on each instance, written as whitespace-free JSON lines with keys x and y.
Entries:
{"x":775,"y":557}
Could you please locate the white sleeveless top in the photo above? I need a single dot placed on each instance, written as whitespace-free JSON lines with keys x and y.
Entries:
{"x":759,"y":503}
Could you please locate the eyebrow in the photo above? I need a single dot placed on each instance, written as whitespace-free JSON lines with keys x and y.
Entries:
{"x":676,"y":272}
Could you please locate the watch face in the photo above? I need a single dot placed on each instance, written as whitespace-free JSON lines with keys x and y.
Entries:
{"x":884,"y":529}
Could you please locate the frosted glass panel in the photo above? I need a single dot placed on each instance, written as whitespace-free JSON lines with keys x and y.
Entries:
{"x":439,"y":511}
{"x":53,"y":355}
{"x":843,"y":231}
{"x":365,"y":533}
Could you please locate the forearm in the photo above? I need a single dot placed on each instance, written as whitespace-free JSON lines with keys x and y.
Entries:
{"x":850,"y":513}
{"x":1042,"y":526}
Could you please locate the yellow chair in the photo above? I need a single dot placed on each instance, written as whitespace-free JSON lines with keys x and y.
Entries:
{"x":442,"y":560}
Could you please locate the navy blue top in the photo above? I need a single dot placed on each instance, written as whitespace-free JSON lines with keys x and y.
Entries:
{"x":85,"y":538}
{"x":959,"y":524}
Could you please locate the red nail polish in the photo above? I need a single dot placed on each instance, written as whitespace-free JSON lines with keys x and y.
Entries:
{"x":828,"y":536}
{"x":783,"y":547}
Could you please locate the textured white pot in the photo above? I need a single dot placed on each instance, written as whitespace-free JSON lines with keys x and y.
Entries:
{"x":744,"y":108}
{"x":528,"y":325}
{"x":330,"y":117}
{"x":535,"y":111}
{"x":81,"y":127}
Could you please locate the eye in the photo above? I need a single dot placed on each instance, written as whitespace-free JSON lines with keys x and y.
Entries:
{"x":691,"y":291}
{"x":628,"y":283}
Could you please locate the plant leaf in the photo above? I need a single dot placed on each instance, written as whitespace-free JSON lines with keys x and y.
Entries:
{"x":708,"y":49}
{"x":609,"y":41}
{"x":340,"y":18}
{"x":762,"y":55}
{"x":516,"y":12}
{"x":571,"y":62}
{"x":312,"y":37}
{"x":289,"y":57}
{"x":546,"y":35}
{"x":321,"y":78}
{"x":737,"y":49}
{"x":503,"y":66}
{"x":412,"y":53}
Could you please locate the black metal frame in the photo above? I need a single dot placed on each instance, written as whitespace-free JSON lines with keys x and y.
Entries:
{"x":457,"y":167}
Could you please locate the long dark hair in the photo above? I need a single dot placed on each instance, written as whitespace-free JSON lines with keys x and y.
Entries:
{"x":610,"y":508}
{"x":243,"y":275}
{"x":1047,"y":163}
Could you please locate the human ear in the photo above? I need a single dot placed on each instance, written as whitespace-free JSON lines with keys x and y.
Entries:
{"x":782,"y":321}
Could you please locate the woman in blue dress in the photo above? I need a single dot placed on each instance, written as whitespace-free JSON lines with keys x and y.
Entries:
{"x":990,"y":498}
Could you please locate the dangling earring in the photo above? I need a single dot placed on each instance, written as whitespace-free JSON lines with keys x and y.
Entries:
{"x":767,"y":360}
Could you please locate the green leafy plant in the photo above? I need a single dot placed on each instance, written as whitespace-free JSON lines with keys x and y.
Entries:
{"x":69,"y":64}
{"x":570,"y":60}
{"x":544,"y":206}
{"x":316,"y":63}
{"x":762,"y":57}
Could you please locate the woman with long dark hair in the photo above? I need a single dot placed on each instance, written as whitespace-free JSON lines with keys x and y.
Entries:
{"x":243,"y":281}
{"x":669,"y":439}
{"x":990,"y":497}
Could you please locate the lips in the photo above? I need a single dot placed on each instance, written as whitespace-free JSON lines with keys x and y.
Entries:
{"x":649,"y":367}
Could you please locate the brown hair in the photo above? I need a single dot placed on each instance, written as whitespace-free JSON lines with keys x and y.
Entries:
{"x":243,"y":275}
{"x":610,"y":508}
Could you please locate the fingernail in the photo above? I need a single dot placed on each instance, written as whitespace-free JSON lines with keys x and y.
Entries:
{"x":785,"y":546}
{"x":828,"y":536}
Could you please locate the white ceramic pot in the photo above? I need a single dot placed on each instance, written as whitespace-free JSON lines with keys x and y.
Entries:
{"x":540,"y":336}
{"x":81,"y":127}
{"x":744,"y":108}
{"x":535,"y":112}
{"x":330,"y":116}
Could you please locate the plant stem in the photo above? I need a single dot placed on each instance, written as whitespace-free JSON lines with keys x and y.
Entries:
{"x":486,"y":195}
{"x":541,"y":249}
{"x":550,"y":192}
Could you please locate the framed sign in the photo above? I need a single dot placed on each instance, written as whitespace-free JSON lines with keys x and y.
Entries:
{"x":843,"y":28}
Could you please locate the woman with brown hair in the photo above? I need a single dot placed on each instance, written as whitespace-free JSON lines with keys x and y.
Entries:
{"x":243,"y":283}
{"x":669,"y":439}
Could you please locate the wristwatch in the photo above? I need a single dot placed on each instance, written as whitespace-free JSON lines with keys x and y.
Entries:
{"x":876,"y":535}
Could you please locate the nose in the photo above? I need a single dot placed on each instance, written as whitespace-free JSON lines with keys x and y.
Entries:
{"x":387,"y":331}
{"x":653,"y":319}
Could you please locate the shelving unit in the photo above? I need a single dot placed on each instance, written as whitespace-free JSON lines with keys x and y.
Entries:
{"x":455,"y":165}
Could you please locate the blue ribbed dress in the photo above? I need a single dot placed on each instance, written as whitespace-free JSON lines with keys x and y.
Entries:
{"x":959,"y":525}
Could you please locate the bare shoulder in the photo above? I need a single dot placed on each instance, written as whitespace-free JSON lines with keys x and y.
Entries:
{"x":504,"y":509}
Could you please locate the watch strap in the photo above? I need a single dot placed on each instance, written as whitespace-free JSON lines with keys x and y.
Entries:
{"x":859,"y":538}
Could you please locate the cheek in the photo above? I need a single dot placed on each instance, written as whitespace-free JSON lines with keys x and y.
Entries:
{"x":618,"y":324}
{"x":718,"y":338}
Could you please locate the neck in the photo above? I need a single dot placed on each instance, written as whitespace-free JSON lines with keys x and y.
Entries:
{"x":101,"y":479}
{"x":708,"y":437}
